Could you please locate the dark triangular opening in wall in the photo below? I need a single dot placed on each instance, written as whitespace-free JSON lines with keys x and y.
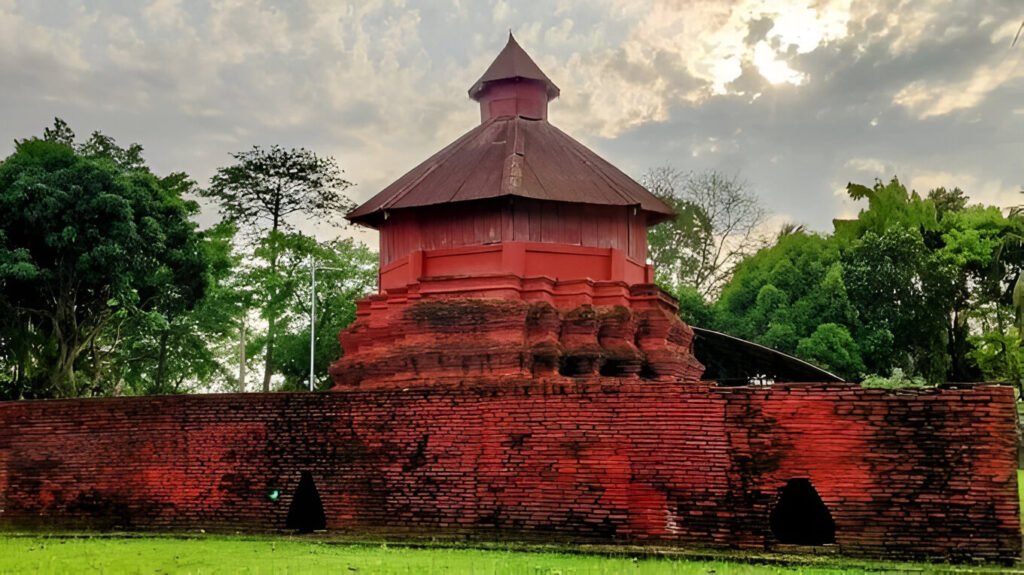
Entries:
{"x":306,"y":513}
{"x":800,"y":517}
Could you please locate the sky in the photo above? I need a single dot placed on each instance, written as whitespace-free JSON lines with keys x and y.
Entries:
{"x":795,"y":97}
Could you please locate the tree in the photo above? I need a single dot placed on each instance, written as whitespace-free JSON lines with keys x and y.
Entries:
{"x":89,"y":235}
{"x":260,"y":192}
{"x":967,"y":259}
{"x":920,"y":285}
{"x":783,"y":296}
{"x":898,"y":289}
{"x":947,"y":201}
{"x":783,"y":283}
{"x":175,"y":349}
{"x":693,"y":309}
{"x":353,"y":273}
{"x":719,"y":223}
{"x":832,"y":347}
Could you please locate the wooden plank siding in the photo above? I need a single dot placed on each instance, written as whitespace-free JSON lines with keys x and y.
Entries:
{"x":521,"y":220}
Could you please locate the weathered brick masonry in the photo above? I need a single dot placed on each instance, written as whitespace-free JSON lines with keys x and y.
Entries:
{"x":928,"y":473}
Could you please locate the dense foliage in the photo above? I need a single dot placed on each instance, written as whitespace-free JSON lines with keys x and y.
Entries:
{"x":107,"y":286}
{"x":346,"y":271}
{"x":914,"y":285}
{"x":89,"y":239}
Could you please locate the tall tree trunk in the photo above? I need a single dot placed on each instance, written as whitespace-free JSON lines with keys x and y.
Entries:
{"x":65,"y":331}
{"x":97,"y":371}
{"x":161,"y":364}
{"x":268,"y":366}
{"x":62,"y":375}
{"x":19,"y":373}
{"x":241,"y":357}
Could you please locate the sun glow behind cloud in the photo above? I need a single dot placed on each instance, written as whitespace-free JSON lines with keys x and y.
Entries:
{"x":715,"y":39}
{"x":683,"y":52}
{"x":772,"y":69}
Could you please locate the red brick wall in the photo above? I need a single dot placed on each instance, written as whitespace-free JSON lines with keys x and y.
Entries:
{"x":905,"y":473}
{"x":909,"y":474}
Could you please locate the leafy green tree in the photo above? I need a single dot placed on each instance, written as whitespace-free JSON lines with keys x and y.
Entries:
{"x":981,"y":255}
{"x":1000,"y":356}
{"x":693,"y":309}
{"x":948,"y":201}
{"x":966,"y":260}
{"x":773,"y":284}
{"x":353,"y":273}
{"x":832,"y":347}
{"x":889,"y":204}
{"x":89,"y":235}
{"x":261,"y":191}
{"x":915,"y":282}
{"x":898,"y":289}
{"x":347,"y":272}
{"x":175,"y":349}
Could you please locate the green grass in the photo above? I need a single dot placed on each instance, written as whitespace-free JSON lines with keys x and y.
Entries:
{"x":220,"y":554}
{"x":1020,"y":495}
{"x":33,"y":553}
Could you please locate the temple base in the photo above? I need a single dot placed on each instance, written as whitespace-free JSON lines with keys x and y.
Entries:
{"x":442,"y":329}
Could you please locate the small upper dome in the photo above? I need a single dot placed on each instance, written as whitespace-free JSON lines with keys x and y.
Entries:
{"x":512,"y":64}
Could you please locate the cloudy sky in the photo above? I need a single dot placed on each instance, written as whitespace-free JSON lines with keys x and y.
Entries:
{"x":798,"y":97}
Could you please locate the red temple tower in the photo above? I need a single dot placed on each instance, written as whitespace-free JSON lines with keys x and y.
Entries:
{"x":513,"y":250}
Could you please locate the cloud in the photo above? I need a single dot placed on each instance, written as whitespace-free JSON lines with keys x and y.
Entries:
{"x":165,"y":14}
{"x":927,"y":98}
{"x":675,"y":52}
{"x":789,"y":94}
{"x":989,"y":191}
{"x":25,"y":43}
{"x":774,"y":70}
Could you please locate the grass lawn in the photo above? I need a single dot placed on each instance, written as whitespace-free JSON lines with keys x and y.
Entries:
{"x":1020,"y":495}
{"x":227,"y":554}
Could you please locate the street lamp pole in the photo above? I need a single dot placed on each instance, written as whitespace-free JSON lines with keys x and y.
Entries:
{"x":312,"y":318}
{"x":312,"y":315}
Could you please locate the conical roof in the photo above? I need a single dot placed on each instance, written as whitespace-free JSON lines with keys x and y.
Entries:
{"x":512,"y":156}
{"x":513,"y":63}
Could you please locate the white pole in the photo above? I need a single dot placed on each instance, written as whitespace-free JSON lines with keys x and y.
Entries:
{"x":312,"y":318}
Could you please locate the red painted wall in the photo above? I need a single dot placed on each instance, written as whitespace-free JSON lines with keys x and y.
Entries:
{"x":928,"y":473}
{"x":520,"y":220}
{"x":527,"y":98}
{"x":559,"y":262}
{"x":552,"y":239}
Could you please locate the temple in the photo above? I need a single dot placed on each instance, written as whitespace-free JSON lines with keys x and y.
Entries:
{"x":515,"y":211}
